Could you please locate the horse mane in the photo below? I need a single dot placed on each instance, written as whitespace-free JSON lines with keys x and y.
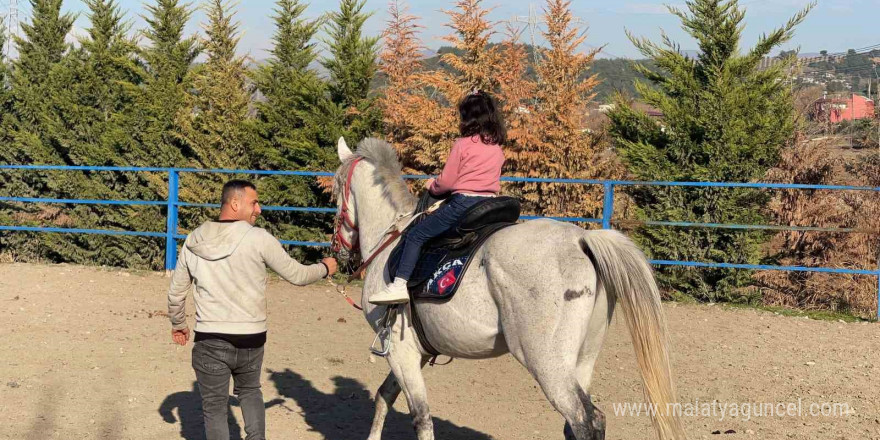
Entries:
{"x":387,"y":175}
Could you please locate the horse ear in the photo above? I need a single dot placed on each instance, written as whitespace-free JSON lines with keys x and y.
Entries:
{"x":343,"y":150}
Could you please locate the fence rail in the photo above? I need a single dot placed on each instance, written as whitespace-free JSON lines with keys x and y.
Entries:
{"x":172,"y":204}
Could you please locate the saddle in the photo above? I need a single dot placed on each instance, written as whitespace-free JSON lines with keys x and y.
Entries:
{"x":445,"y":259}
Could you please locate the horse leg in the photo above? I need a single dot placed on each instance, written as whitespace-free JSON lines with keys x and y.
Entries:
{"x":555,"y":367}
{"x":589,"y":353}
{"x":385,"y":398}
{"x":583,"y":421}
{"x":588,"y":423}
{"x":562,"y":361}
{"x":406,"y":363}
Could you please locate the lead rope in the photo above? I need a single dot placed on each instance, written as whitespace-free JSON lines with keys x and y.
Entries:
{"x":396,"y":226}
{"x":340,"y":289}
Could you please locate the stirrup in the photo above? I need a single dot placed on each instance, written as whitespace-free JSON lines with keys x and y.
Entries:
{"x":383,"y":336}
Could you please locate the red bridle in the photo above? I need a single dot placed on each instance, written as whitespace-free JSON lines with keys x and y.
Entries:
{"x":344,"y":218}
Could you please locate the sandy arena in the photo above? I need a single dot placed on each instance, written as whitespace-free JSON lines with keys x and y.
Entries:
{"x":87,"y":354}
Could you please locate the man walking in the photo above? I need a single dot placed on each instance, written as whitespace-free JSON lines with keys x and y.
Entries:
{"x":226,"y":259}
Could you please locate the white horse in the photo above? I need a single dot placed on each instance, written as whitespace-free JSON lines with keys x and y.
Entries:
{"x":542,"y":290}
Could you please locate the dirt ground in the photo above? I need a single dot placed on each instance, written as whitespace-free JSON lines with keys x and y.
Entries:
{"x":87,"y":354}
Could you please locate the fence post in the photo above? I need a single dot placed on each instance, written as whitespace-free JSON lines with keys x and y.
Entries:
{"x":608,"y":206}
{"x":171,"y":227}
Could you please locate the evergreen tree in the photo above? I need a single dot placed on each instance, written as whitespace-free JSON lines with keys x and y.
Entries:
{"x":7,"y":155}
{"x":291,"y":90}
{"x":289,"y":123}
{"x":723,"y":120}
{"x":5,"y":92}
{"x":164,"y":70}
{"x":27,"y":140}
{"x":40,"y":50}
{"x":215,"y":123}
{"x":100,"y":76}
{"x":350,"y":110}
{"x":10,"y":183}
{"x":91,"y":129}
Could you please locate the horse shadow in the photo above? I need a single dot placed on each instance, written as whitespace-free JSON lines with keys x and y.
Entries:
{"x":347,"y":412}
{"x":189,"y":412}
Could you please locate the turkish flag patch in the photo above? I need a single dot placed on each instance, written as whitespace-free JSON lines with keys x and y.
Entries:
{"x":446,"y":282}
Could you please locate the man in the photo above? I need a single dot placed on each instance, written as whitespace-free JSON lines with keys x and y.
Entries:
{"x":226,"y":259}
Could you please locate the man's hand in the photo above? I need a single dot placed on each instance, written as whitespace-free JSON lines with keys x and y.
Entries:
{"x":429,"y":182}
{"x":180,"y":336}
{"x":330,"y":262}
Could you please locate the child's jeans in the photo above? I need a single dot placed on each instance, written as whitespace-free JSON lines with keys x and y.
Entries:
{"x":442,"y":220}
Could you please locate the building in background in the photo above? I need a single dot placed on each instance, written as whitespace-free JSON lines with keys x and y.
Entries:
{"x":835,"y":110}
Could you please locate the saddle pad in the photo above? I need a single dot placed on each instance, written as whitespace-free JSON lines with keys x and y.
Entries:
{"x":439,"y":271}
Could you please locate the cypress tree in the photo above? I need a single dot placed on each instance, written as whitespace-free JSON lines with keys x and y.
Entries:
{"x":91,"y":129}
{"x":350,"y":110}
{"x":164,"y":70}
{"x":288,"y":121}
{"x":723,"y":120}
{"x":291,"y":91}
{"x":215,"y":124}
{"x":41,"y":50}
{"x":216,"y":128}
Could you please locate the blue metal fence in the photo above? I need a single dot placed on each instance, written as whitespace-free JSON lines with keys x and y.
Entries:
{"x":173,"y":203}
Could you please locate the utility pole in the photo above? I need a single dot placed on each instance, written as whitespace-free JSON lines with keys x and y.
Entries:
{"x":852,"y":117}
{"x":876,"y":115}
{"x":533,"y":22}
{"x":11,"y":27}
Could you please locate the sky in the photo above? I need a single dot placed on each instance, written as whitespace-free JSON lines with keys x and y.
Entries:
{"x":833,"y":25}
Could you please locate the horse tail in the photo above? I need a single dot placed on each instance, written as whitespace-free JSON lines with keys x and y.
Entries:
{"x":626,"y":275}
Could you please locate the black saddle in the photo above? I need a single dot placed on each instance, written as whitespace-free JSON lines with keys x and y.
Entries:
{"x":445,"y":259}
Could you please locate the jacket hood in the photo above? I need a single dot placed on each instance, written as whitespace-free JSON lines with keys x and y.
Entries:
{"x":217,"y":240}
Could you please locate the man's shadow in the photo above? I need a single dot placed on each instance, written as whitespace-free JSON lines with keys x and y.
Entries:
{"x":348,"y":411}
{"x":189,"y":410}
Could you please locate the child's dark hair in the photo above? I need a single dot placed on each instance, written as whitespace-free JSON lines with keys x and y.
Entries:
{"x":480,"y":115}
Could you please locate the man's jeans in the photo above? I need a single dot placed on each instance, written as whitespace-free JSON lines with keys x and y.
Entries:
{"x":215,"y":360}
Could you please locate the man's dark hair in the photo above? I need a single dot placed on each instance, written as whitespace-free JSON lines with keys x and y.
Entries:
{"x":233,"y":188}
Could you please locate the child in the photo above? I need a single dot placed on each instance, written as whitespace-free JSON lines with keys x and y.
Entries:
{"x":472,"y":171}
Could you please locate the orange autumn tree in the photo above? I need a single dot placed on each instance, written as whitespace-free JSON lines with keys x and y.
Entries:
{"x":405,"y":103}
{"x":559,"y":146}
{"x":811,"y":162}
{"x":419,"y":106}
{"x":517,"y":95}
{"x":543,"y":117}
